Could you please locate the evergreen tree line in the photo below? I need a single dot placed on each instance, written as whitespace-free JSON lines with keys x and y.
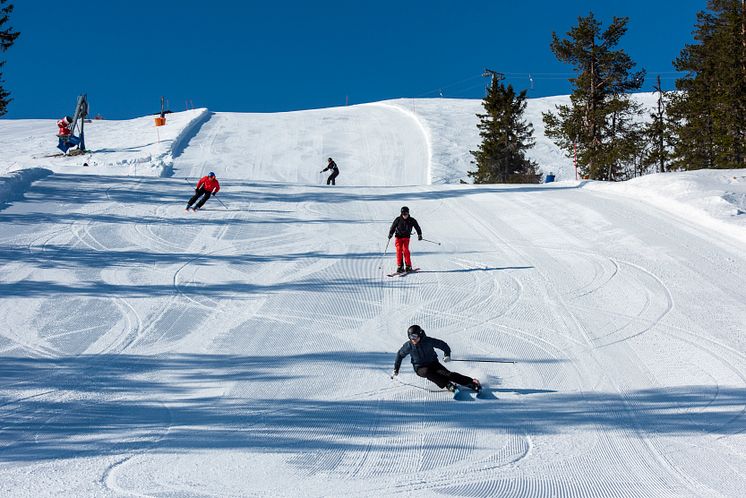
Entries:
{"x":702,"y":124}
{"x":7,"y":37}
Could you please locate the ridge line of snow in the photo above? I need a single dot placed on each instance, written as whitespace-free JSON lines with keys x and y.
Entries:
{"x":14,"y":184}
{"x":425,"y":132}
{"x":670,"y":205}
{"x":188,"y":132}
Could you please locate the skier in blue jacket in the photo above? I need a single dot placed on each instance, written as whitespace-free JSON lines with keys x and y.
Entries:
{"x":425,"y":361}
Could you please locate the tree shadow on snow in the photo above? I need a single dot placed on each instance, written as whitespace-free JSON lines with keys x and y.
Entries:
{"x":97,"y":405}
{"x":471,"y":270}
{"x":128,"y":190}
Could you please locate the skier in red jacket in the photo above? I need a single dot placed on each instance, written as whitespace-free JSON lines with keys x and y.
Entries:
{"x":206,"y":186}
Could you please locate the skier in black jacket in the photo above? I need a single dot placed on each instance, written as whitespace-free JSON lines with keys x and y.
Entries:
{"x":402,"y":227}
{"x":425,"y":361}
{"x":335,"y":172}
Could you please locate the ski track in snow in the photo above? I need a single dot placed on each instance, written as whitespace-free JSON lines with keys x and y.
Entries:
{"x":246,"y":348}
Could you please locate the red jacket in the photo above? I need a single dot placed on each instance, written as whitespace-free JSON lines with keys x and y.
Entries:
{"x":210,"y":184}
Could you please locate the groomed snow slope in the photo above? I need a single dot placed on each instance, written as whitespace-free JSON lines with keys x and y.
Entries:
{"x":395,"y":142}
{"x":246,"y":349}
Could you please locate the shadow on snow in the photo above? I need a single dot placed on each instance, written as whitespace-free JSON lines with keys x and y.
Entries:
{"x":107,"y":404}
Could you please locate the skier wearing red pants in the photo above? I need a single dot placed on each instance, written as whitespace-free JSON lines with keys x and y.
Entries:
{"x":402,"y":228}
{"x":425,"y":361}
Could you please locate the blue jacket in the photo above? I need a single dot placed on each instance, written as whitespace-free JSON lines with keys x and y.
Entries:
{"x":423,"y":353}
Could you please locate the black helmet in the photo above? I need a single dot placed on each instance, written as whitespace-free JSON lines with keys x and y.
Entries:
{"x":330,"y":159}
{"x":415,"y":331}
{"x":404,"y":209}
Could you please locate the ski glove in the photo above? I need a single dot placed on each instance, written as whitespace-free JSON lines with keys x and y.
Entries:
{"x":419,"y":237}
{"x":446,"y":359}
{"x":394,"y":374}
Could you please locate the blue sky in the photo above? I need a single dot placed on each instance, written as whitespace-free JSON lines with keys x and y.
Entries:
{"x":268,"y":56}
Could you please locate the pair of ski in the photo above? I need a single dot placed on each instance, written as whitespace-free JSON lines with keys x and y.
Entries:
{"x":462,"y":393}
{"x":402,"y":273}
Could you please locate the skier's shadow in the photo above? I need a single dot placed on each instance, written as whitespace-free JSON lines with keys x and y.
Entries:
{"x":521,"y":391}
{"x":246,"y":210}
{"x":469,"y":270}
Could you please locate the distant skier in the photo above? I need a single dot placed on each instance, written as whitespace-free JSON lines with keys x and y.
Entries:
{"x":425,"y":361}
{"x":335,"y":172}
{"x":402,"y":227}
{"x":206,"y":186}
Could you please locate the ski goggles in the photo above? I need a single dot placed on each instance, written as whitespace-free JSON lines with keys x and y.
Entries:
{"x":414,"y":336}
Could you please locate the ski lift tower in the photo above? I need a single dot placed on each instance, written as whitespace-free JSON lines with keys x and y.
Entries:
{"x":493,"y":74}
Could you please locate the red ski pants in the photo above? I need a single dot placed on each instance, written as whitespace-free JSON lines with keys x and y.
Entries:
{"x":402,"y":251}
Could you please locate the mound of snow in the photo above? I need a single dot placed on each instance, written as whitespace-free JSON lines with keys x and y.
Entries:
{"x":13,"y":185}
{"x":714,"y":198}
{"x":129,"y":147}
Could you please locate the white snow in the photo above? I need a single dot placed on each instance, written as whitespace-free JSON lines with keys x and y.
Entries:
{"x":246,"y":350}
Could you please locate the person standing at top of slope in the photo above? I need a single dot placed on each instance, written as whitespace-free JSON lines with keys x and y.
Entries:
{"x":402,"y":227}
{"x":425,"y":361}
{"x":335,"y":172}
{"x":206,"y":186}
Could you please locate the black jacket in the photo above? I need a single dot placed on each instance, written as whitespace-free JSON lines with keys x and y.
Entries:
{"x":332,"y":166}
{"x":423,"y":353}
{"x":403,"y":228}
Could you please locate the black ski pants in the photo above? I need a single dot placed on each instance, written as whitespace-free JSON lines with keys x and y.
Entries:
{"x":330,"y":180}
{"x":197,"y":193}
{"x":435,"y":372}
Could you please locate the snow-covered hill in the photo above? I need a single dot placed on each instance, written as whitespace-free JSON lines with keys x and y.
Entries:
{"x":409,"y":141}
{"x":247,"y":349}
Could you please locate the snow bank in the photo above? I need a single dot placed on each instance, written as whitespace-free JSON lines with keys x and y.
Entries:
{"x":16,"y":183}
{"x":128,"y":147}
{"x":712,"y":198}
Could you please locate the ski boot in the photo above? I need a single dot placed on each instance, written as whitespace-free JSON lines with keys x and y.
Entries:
{"x":408,"y":268}
{"x":400,"y":269}
{"x":475,"y":386}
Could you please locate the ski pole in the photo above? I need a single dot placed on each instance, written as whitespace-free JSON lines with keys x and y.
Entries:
{"x":221,"y":202}
{"x":384,"y":253}
{"x":484,"y":361}
{"x":431,"y":241}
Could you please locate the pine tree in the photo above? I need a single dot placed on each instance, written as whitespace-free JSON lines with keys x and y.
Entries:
{"x":601,"y":119}
{"x":506,"y":136}
{"x":709,"y":111}
{"x":658,"y":136}
{"x":7,"y":37}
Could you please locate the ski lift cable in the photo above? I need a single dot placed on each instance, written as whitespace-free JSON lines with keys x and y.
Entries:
{"x":450,"y":85}
{"x":532,"y":77}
